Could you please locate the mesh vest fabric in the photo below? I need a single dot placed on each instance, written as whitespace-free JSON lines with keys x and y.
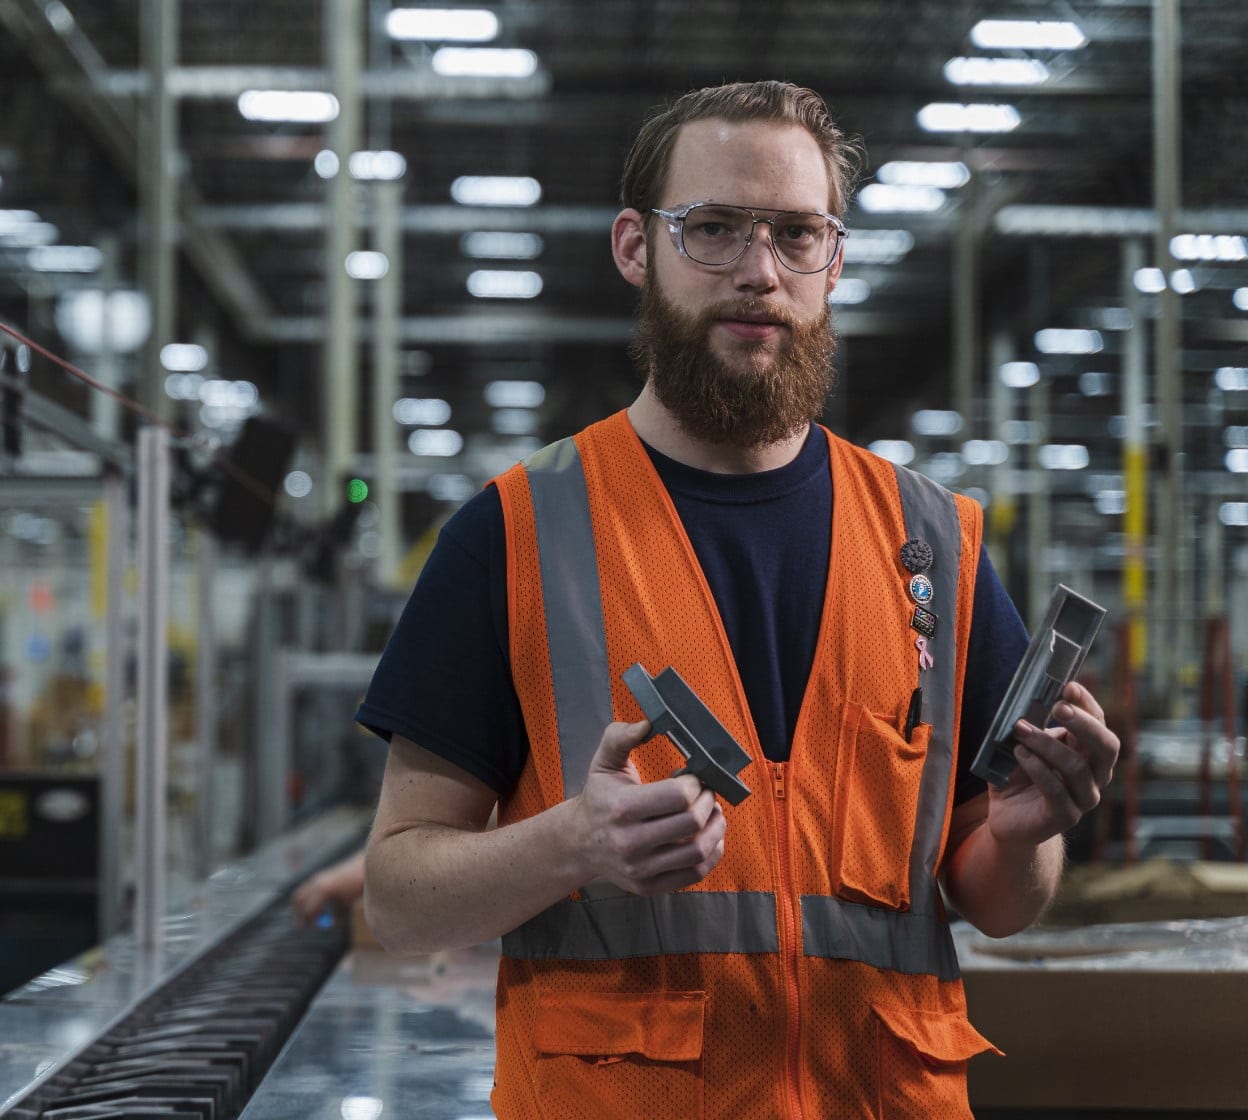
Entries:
{"x":805,"y":1025}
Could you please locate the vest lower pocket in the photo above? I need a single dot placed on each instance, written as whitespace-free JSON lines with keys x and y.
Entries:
{"x":877,"y":800}
{"x":620,"y":1055}
{"x":921,"y":1062}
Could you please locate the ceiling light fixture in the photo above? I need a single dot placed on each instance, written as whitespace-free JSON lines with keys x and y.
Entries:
{"x":496,"y":190}
{"x":1028,"y":34}
{"x":946,"y":174}
{"x":996,"y":72}
{"x":367,"y":264}
{"x":884,"y":198}
{"x":484,"y":62}
{"x":1056,"y":340}
{"x":386,"y":166}
{"x":1019,"y":375}
{"x":288,"y":106}
{"x":446,"y":25}
{"x":947,"y":116}
{"x":64,"y":258}
{"x":183,"y":357}
{"x":1209,"y":247}
{"x":878,"y":246}
{"x":491,"y":245}
{"x":1240,"y":298}
{"x":495,"y":284}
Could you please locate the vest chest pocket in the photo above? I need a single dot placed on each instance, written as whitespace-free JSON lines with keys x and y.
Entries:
{"x":620,"y":1055}
{"x":876,"y":804}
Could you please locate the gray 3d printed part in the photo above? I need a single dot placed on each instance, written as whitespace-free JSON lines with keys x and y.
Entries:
{"x":674,"y":710}
{"x":1053,"y":657}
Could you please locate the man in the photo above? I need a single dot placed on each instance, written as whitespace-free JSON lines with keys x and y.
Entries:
{"x":665,"y":955}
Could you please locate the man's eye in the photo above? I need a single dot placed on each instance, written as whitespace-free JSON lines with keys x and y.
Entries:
{"x":710,"y":229}
{"x":797,"y":232}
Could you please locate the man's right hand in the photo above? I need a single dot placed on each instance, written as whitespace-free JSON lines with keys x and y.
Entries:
{"x":646,"y":838}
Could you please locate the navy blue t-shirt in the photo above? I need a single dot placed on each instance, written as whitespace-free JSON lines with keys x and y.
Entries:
{"x":762,"y":540}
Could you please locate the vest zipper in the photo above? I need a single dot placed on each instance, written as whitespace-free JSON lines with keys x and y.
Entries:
{"x":788,"y":943}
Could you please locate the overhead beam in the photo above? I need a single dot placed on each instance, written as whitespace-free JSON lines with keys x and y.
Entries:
{"x":68,"y":60}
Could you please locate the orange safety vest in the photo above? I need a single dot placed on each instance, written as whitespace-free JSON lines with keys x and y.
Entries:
{"x":812,"y":973}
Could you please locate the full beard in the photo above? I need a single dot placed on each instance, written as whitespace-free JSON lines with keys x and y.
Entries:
{"x":766,"y":396}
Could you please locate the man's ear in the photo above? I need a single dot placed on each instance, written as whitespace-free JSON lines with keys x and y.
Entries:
{"x":834,"y":273}
{"x":628,"y":246}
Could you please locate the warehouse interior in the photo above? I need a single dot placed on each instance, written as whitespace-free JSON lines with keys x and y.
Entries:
{"x":283,"y":284}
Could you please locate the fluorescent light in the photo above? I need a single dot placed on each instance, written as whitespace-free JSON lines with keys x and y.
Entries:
{"x":16,"y":219}
{"x":1231,"y":379}
{"x":1233,"y":513}
{"x":947,"y":116}
{"x":1059,"y":341}
{"x":17,"y":234}
{"x":288,"y":105}
{"x":1208,"y":247}
{"x":948,"y":174}
{"x":1237,"y":460}
{"x":1027,"y":34}
{"x":439,"y":442}
{"x":64,"y":258}
{"x":878,"y":246}
{"x":1094,"y":383}
{"x":184,"y":386}
{"x":1063,"y":456}
{"x":183,"y":357}
{"x":849,"y":289}
{"x":899,"y":451}
{"x":496,"y":190}
{"x":1110,"y":502}
{"x":1150,"y":280}
{"x":488,"y":283}
{"x":1182,"y":281}
{"x":1019,"y":375}
{"x":880,"y":198}
{"x":376,"y":165}
{"x":936,"y":422}
{"x":367,"y":264}
{"x":484,"y":62}
{"x":298,"y":484}
{"x":985,"y":452}
{"x":326,"y":163}
{"x":996,"y":71}
{"x":425,"y":412}
{"x":1239,"y":297}
{"x":514,"y":394}
{"x":446,"y":25}
{"x":499,"y":245}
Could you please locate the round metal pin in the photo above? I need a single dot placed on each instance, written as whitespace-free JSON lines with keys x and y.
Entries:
{"x":920,"y":588}
{"x":916,"y":555}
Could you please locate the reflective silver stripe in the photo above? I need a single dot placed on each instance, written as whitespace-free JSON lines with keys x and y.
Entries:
{"x":930,"y":513}
{"x":575,"y":630}
{"x":630,"y":926}
{"x":896,"y":940}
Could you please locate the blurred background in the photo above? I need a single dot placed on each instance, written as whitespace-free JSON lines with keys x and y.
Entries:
{"x":351,"y":259}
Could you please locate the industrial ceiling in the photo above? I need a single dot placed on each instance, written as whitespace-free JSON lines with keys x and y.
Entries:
{"x":252,"y":208}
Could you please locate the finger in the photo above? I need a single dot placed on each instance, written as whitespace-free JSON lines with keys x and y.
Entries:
{"x":619,"y":740}
{"x":1079,"y":695}
{"x":649,"y":800}
{"x":1067,"y":766}
{"x":659,"y":831}
{"x":700,"y":853}
{"x":1057,"y":796}
{"x":1091,"y":738}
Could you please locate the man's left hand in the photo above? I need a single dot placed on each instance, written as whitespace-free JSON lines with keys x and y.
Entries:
{"x":1061,"y":774}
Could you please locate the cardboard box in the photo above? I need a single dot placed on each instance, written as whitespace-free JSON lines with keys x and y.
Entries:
{"x":1156,"y":1023}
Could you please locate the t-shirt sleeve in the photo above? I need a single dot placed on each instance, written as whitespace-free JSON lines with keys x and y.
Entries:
{"x":998,"y":642}
{"x":444,"y":679}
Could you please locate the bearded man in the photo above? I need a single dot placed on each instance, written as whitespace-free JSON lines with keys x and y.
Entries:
{"x":666,"y":954}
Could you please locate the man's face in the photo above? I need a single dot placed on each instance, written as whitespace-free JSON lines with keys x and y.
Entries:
{"x":738,"y":353}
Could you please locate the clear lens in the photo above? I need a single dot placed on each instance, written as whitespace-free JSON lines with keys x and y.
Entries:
{"x":719,"y":235}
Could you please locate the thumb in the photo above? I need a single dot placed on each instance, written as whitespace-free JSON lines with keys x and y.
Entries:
{"x":618,"y":742}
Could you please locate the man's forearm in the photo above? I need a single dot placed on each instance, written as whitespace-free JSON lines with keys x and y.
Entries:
{"x":432,"y":887}
{"x":1002,"y":888}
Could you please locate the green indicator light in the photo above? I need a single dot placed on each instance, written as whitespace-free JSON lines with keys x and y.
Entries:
{"x":357,"y":491}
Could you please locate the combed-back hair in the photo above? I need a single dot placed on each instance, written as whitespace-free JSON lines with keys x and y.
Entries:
{"x":645,"y":169}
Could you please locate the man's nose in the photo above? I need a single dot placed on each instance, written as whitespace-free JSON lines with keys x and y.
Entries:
{"x":757,"y":268}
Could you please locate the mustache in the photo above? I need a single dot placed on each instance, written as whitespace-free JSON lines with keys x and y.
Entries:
{"x":751,"y":308}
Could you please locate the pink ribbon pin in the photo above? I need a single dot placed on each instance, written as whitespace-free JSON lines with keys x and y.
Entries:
{"x":926,"y":661}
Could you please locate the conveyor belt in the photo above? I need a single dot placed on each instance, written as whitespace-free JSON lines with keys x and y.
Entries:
{"x":197,"y":1047}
